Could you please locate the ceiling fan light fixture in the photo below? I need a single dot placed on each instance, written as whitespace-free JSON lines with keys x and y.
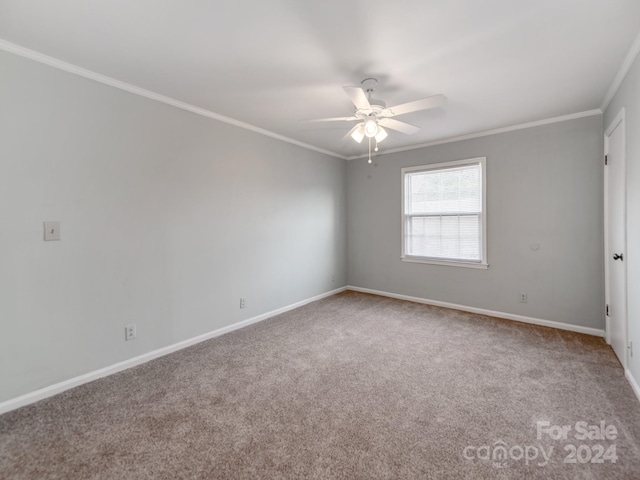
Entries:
{"x":371,"y":128}
{"x":370,"y":111}
{"x":381,"y":135}
{"x":358,"y":133}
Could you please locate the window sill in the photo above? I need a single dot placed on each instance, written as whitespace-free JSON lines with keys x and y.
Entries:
{"x":447,"y":263}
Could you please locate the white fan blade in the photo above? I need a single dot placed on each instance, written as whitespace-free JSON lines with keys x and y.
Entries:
{"x":331,"y":119}
{"x":394,"y":124}
{"x":358,"y":97}
{"x":422,"y":104}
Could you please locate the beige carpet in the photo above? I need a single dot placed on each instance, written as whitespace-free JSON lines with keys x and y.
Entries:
{"x":354,"y":386}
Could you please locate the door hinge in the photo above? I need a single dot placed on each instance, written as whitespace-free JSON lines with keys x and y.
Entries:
{"x":630,"y":347}
{"x":606,"y":159}
{"x":607,"y":309}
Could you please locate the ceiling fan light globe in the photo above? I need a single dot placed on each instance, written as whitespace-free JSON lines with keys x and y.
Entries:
{"x":358,"y":133}
{"x":381,"y":135}
{"x":370,"y":128}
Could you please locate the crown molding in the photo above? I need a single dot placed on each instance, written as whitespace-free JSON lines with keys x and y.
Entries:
{"x":127,"y":87}
{"x":622,"y":73}
{"x":112,"y":82}
{"x":486,"y":133}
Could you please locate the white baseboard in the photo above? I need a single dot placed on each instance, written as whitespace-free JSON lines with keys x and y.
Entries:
{"x":491,"y":313}
{"x":632,"y":381}
{"x":51,"y":390}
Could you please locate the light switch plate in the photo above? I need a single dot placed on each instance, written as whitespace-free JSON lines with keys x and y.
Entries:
{"x":51,"y":231}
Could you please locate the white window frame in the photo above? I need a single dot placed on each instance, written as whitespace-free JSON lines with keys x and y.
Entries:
{"x":483,"y":215}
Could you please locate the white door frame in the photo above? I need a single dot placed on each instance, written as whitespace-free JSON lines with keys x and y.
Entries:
{"x":620,"y":118}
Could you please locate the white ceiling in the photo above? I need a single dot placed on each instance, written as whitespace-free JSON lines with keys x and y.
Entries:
{"x":274,"y":63}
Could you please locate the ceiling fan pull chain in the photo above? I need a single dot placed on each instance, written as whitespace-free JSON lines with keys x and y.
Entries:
{"x":369,"y":149}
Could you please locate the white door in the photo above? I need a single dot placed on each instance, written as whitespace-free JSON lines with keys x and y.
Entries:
{"x":615,"y":237}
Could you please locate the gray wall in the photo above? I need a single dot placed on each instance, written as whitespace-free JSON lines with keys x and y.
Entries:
{"x":167,"y":219}
{"x":628,"y":96}
{"x":544,"y":186}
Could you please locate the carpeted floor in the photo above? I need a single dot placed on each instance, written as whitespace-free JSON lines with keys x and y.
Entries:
{"x":354,"y":386}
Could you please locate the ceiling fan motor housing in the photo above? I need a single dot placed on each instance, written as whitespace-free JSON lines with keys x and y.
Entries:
{"x":376,"y":110}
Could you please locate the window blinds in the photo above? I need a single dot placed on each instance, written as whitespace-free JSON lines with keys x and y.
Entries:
{"x":443,"y":213}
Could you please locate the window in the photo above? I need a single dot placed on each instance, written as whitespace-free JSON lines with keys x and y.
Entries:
{"x":443,"y":213}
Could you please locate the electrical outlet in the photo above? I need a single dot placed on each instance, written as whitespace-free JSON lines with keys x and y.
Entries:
{"x":130,"y":332}
{"x":243,"y":302}
{"x":523,"y":298}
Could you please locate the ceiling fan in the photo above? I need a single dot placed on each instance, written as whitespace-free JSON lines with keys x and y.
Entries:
{"x":374,"y":116}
